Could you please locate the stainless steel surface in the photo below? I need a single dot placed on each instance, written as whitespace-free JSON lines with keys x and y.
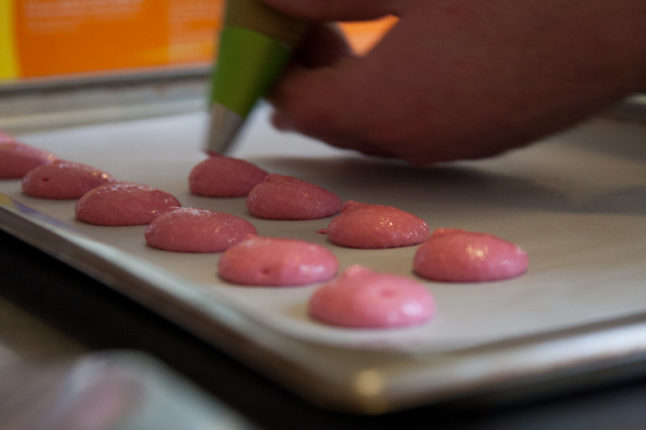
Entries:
{"x":224,"y":127}
{"x":59,"y":102}
{"x":573,"y":202}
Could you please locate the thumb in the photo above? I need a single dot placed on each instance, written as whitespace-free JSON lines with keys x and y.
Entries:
{"x":336,"y":10}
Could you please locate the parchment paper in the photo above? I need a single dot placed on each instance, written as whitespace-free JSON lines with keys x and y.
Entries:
{"x":576,"y":203}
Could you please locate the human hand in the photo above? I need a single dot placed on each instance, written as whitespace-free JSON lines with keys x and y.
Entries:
{"x":457,"y":79}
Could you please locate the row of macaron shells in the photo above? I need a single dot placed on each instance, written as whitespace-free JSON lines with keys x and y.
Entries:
{"x":358,"y":298}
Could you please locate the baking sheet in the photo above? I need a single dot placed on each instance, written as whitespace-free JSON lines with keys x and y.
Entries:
{"x":575,"y":203}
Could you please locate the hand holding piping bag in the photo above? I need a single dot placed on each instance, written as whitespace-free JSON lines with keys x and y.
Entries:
{"x":458,"y":79}
{"x":256,"y":43}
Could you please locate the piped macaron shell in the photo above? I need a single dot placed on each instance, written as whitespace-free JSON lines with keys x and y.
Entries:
{"x":456,"y":255}
{"x":4,"y":137}
{"x":17,"y":159}
{"x":197,"y":230}
{"x":363,"y":298}
{"x":123,"y":204}
{"x":287,"y":198}
{"x":63,"y":180}
{"x":220,"y":176}
{"x":370,"y":226}
{"x":269,"y":261}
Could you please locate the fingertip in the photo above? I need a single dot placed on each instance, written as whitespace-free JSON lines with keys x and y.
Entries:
{"x":281,"y":122}
{"x":324,"y":45}
{"x":319,"y":102}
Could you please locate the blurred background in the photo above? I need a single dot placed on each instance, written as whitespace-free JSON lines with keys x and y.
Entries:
{"x":70,"y":62}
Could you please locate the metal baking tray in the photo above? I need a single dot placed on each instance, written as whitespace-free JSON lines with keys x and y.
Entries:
{"x":574,"y":202}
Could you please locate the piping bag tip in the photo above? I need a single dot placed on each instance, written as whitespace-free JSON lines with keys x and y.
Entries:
{"x":224,"y":127}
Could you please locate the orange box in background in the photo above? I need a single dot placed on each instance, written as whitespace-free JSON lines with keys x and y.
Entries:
{"x":55,"y":37}
{"x":62,"y":37}
{"x":364,"y":35}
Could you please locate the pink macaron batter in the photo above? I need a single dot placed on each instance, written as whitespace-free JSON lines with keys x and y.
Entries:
{"x":288,"y":198}
{"x":277,"y":262}
{"x":124,"y":203}
{"x":17,"y":159}
{"x":362,"y":298}
{"x":197,"y":230}
{"x":362,"y":225}
{"x":220,"y":176}
{"x":456,"y":255}
{"x":4,"y":137}
{"x":63,"y":180}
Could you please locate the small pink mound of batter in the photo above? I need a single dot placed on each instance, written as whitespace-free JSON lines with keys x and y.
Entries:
{"x":463,"y":256}
{"x":197,"y":230}
{"x":289,"y":198}
{"x":277,"y":262}
{"x":63,"y":180}
{"x":16,"y":159}
{"x":220,"y":176}
{"x":4,"y":137}
{"x":363,"y":298}
{"x":123,"y":203}
{"x":369,"y":226}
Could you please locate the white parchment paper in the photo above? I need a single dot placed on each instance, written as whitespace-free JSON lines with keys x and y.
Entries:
{"x":576,"y":203}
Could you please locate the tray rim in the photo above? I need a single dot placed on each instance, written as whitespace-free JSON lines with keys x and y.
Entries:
{"x":383,"y":381}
